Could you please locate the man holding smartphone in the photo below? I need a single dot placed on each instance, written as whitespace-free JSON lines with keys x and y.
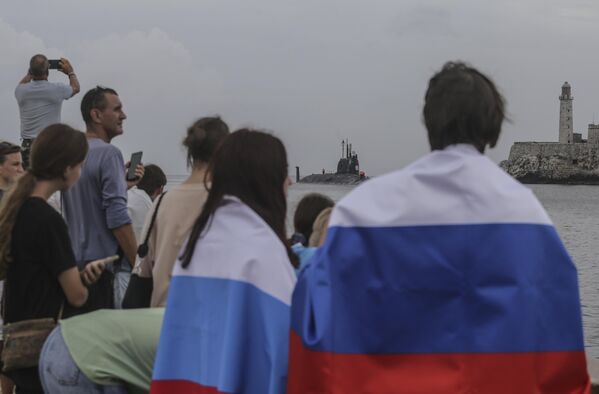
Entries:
{"x":95,"y":208}
{"x":40,"y":101}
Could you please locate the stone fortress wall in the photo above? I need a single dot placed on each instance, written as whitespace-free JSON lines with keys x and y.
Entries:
{"x":582,"y":155}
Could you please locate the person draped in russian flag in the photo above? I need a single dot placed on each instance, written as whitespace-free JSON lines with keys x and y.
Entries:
{"x":226,"y":324}
{"x":444,"y":277}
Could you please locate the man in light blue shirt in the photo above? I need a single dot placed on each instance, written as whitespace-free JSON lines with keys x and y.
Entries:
{"x":40,"y":101}
{"x":95,"y":208}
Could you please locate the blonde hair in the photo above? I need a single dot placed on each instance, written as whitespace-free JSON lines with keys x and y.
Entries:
{"x":319,"y":228}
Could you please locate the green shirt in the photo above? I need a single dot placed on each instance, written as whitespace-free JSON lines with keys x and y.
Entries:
{"x":115,"y":346}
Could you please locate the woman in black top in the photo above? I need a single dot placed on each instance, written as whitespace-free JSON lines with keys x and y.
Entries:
{"x":36,"y":257}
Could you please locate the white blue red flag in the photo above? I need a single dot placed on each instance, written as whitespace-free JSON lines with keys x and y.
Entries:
{"x":444,"y":277}
{"x":226,"y":325}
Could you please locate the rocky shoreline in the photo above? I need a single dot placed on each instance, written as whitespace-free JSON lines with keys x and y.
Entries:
{"x":554,"y":163}
{"x":551,"y":170}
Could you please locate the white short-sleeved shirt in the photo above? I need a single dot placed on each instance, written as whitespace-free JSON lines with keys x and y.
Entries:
{"x":40,"y":103}
{"x":138,"y":206}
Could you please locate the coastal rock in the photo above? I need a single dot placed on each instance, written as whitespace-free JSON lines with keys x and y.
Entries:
{"x":580,"y":168}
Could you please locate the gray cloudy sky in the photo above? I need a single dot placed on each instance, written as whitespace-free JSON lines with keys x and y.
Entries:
{"x":312,"y":71}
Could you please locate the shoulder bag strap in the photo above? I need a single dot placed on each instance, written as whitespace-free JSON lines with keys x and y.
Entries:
{"x":60,"y":311}
{"x":142,"y":250}
{"x":3,"y":308}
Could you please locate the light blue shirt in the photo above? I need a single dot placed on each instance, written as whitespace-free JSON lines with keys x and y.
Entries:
{"x":40,"y":103}
{"x":97,"y":203}
{"x":304,"y":253}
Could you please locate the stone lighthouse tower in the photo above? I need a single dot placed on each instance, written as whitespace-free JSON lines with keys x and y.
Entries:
{"x":566,"y":119}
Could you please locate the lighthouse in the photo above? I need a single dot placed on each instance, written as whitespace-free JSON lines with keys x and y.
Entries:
{"x":566,"y":118}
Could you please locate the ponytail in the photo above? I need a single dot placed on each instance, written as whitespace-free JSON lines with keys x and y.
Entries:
{"x":202,"y":139}
{"x":56,"y":148}
{"x":9,"y":209}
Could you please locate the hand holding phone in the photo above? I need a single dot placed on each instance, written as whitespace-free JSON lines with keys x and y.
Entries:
{"x":93,"y":270}
{"x":54,"y":64}
{"x":133,"y":163}
{"x":109,"y":260}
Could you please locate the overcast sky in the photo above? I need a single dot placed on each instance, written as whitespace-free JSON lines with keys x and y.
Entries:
{"x":312,"y":71}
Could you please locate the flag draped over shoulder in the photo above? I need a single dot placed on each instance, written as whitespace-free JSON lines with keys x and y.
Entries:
{"x":444,"y":277}
{"x":226,"y":324}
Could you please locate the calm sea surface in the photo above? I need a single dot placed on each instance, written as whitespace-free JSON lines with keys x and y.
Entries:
{"x":575,"y":212}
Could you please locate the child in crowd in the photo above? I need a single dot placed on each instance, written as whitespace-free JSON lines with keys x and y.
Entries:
{"x":36,"y":256}
{"x":226,"y":323}
{"x":141,"y":197}
{"x":309,"y":207}
{"x":305,"y":222}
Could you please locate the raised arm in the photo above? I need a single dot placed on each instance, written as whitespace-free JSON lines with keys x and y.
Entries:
{"x":65,"y":67}
{"x":26,"y":79}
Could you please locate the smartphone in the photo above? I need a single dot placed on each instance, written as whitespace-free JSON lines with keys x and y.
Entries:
{"x":135,"y":160}
{"x":111,"y":259}
{"x":54,"y":64}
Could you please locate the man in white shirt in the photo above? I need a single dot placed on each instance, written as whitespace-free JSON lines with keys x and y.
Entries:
{"x":141,"y":197}
{"x":40,"y":101}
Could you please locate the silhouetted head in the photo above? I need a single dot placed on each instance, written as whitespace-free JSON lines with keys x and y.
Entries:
{"x":153,"y":181}
{"x":39,"y":67}
{"x":102,"y":111}
{"x":462,"y":106}
{"x":11,"y":164}
{"x":306,"y":212}
{"x":202,"y":139}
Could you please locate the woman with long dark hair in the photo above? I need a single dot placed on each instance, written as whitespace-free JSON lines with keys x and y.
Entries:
{"x":227,"y":316}
{"x":36,"y":257}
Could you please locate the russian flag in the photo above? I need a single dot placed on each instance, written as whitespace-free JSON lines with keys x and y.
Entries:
{"x":226,"y":324}
{"x":444,"y":277}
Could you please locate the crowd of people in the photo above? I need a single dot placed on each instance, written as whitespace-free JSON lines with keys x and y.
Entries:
{"x":444,"y":276}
